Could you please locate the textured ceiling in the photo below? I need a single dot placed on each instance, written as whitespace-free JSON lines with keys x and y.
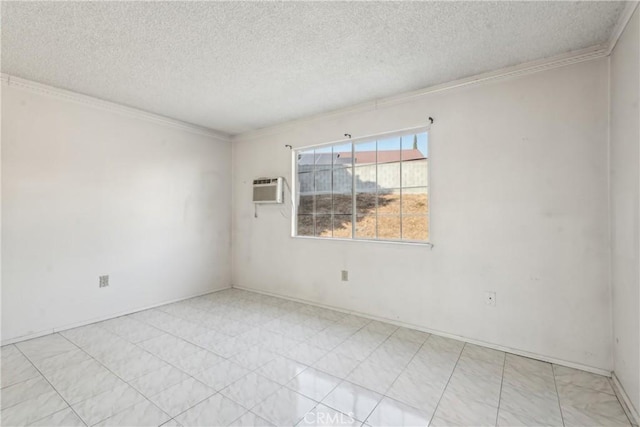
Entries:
{"x":237,"y":66}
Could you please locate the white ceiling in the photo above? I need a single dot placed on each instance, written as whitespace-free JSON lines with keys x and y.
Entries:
{"x":238,"y":66}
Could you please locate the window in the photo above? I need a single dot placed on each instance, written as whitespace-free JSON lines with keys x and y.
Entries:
{"x":370,"y":189}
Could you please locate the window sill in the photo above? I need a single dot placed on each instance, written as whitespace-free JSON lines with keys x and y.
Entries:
{"x":375,"y":241}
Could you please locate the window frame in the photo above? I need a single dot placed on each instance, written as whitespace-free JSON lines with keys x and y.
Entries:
{"x":368,"y":138}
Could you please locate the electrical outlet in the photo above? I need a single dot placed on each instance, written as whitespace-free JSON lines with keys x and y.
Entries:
{"x":103,"y":281}
{"x":490,"y":298}
{"x":345,"y":275}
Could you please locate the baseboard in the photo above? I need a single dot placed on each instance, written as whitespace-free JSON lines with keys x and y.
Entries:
{"x":103,"y":318}
{"x":516,"y":351}
{"x":623,"y":397}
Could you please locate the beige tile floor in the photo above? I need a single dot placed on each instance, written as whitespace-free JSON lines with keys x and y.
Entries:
{"x":245,"y":359}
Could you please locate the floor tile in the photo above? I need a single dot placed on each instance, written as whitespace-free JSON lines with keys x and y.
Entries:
{"x":376,"y":377}
{"x":281,"y":369}
{"x":313,"y":383}
{"x":581,"y":406}
{"x":457,"y":409}
{"x":475,"y":386}
{"x":352,"y":400}
{"x":62,"y":361}
{"x":336,"y":364}
{"x":131,"y":367}
{"x":217,"y":410}
{"x":254,"y":358}
{"x":154,"y":382}
{"x":527,"y":366}
{"x":107,"y":404}
{"x":284,"y":408}
{"x":131,"y":329}
{"x":221,"y":375}
{"x":88,"y":335}
{"x":33,"y":409}
{"x":507,"y":418}
{"x":584,"y":379}
{"x":64,"y":418}
{"x":182,"y":396}
{"x":250,"y":390}
{"x":198,"y":362}
{"x":83,"y":381}
{"x":249,"y":419}
{"x":324,"y":416}
{"x":483,"y":354}
{"x":305,"y":353}
{"x":391,"y":413}
{"x":172,"y":423}
{"x":410,"y":335}
{"x":47,"y":346}
{"x":16,"y":368}
{"x":25,"y":390}
{"x":142,"y":414}
{"x":421,"y":392}
{"x":538,"y":405}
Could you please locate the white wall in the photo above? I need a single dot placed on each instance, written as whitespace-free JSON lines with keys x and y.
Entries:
{"x":625,"y":208}
{"x":519,"y":206}
{"x":87,"y":192}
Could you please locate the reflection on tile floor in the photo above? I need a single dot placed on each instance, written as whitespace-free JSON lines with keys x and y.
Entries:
{"x":245,"y":359}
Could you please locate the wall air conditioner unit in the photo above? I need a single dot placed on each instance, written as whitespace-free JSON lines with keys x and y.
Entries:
{"x":268,"y":190}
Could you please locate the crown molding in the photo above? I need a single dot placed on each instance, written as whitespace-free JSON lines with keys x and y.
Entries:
{"x":625,"y":17}
{"x":135,"y":113}
{"x":569,"y":58}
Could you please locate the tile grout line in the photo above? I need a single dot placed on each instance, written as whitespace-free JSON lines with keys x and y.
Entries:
{"x":435,"y":410}
{"x":342,"y":380}
{"x":168,"y":363}
{"x":504,"y":363}
{"x":401,"y":372}
{"x":117,"y":376}
{"x":385,"y":395}
{"x":227,"y":359}
{"x":54,"y":389}
{"x":555,"y":385}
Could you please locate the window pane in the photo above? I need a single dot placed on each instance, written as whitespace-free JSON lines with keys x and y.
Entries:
{"x":342,"y":156}
{"x":305,"y":182}
{"x":366,"y":227}
{"x":414,"y":173}
{"x":389,"y":175}
{"x":389,"y":150}
{"x":342,"y":203}
{"x":305,"y":225}
{"x":389,"y":227}
{"x":324,"y":227}
{"x":366,"y":179}
{"x":305,"y":191}
{"x":415,"y":201}
{"x":365,"y":153}
{"x":342,"y":180}
{"x":342,"y":226}
{"x":366,"y":203}
{"x":323,"y":158}
{"x":414,"y":146}
{"x":323,"y":204}
{"x":415,"y":228}
{"x":323,"y":182}
{"x":389,"y":202}
{"x":306,"y":204}
{"x":305,"y":161}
